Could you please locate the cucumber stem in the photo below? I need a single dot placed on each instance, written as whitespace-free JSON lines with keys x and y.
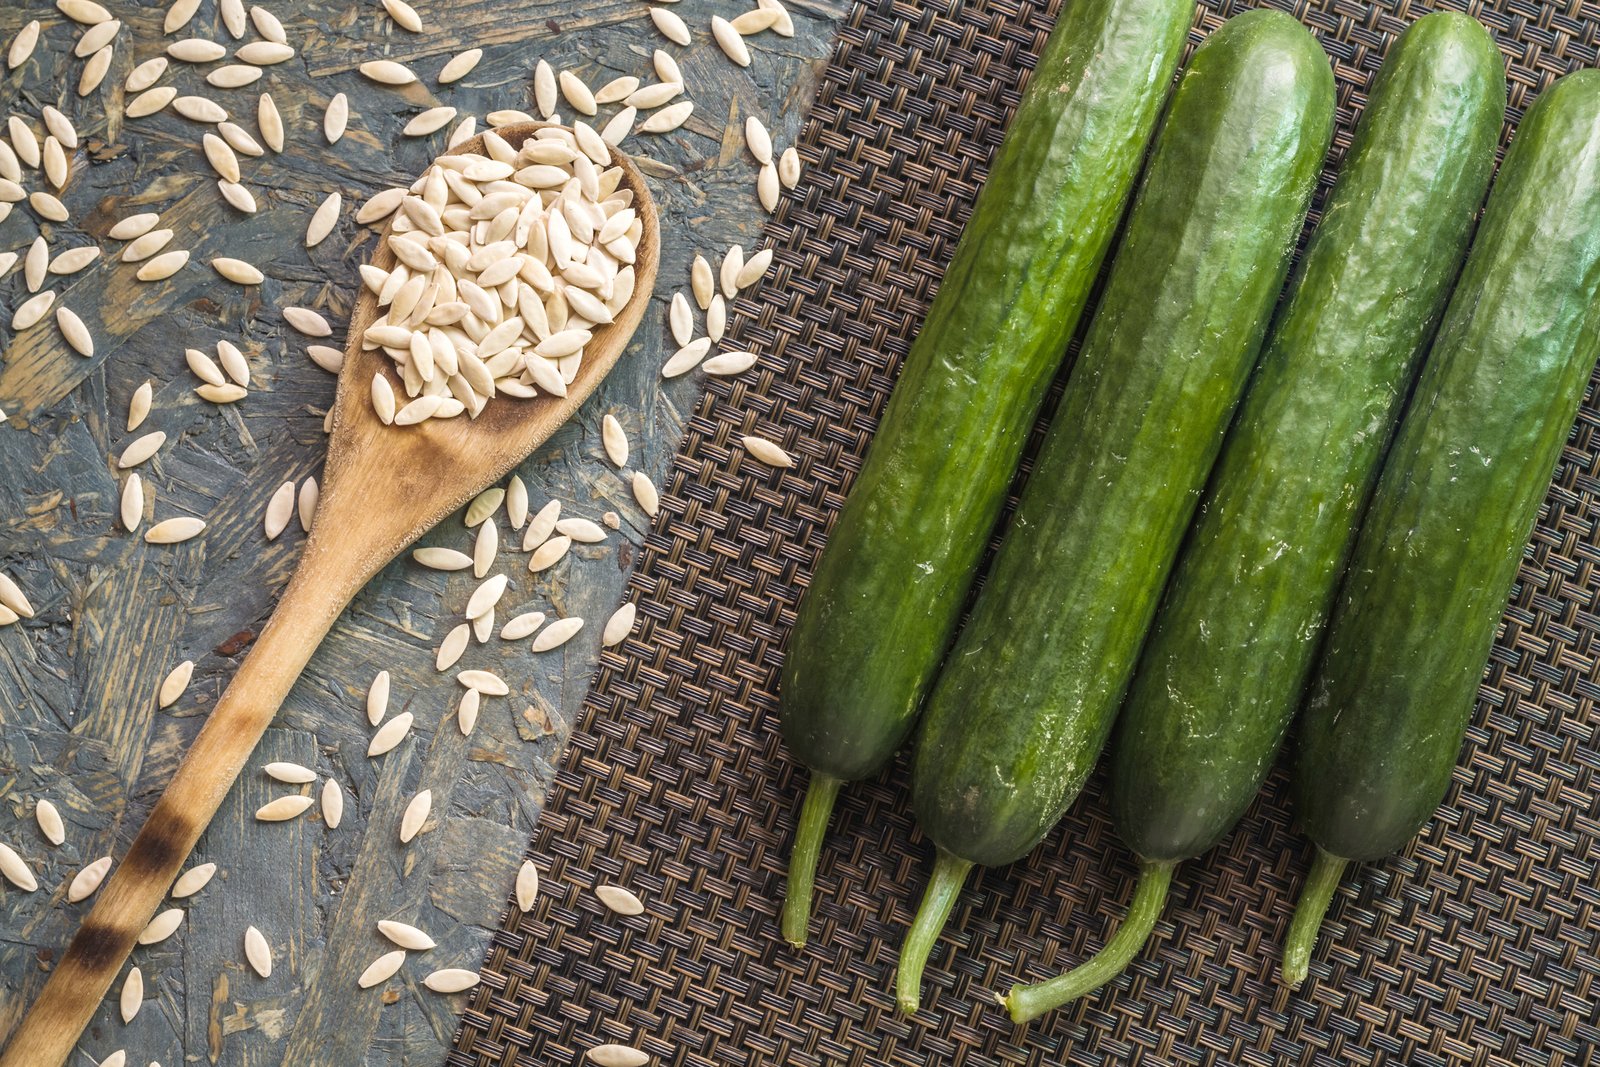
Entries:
{"x":1321,"y":883}
{"x":1026,"y":1002}
{"x":949,"y":874}
{"x":815,"y":811}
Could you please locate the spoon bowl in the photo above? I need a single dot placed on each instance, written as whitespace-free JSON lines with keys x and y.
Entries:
{"x":382,"y":488}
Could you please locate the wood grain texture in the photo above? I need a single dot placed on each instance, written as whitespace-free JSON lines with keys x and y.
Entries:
{"x":78,"y":721}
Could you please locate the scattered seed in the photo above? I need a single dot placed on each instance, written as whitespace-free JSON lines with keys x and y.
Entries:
{"x":616,"y":90}
{"x":388,"y":72}
{"x":728,"y":364}
{"x":390,"y":734}
{"x":238,"y":271}
{"x":383,"y":401}
{"x":670,"y":25}
{"x":615,"y":131}
{"x":516,"y":502}
{"x":767,"y":452}
{"x":644,"y":491}
{"x":617,"y":1056}
{"x":76,"y":333}
{"x":161,"y":927}
{"x":16,"y":870}
{"x":86,"y":881}
{"x":200,"y":109}
{"x":757,"y":139}
{"x":429,"y":121}
{"x":754,"y":21}
{"x":175,"y":684}
{"x":174,"y":531}
{"x":22,"y":45}
{"x":264,"y":53}
{"x":670,"y":117}
{"x":619,"y":900}
{"x":179,"y":14}
{"x":767,"y":188}
{"x":279,"y":510}
{"x":484,"y":549}
{"x":411,"y":821}
{"x":323,"y":220}
{"x":131,"y":509}
{"x":283,"y":808}
{"x":556,"y":634}
{"x":163,"y":266}
{"x":451,"y":648}
{"x":382,"y":969}
{"x":94,"y":71}
{"x":131,"y":998}
{"x":451,"y":980}
{"x":47,"y":206}
{"x":233,"y":362}
{"x":336,"y":117}
{"x":74,"y":259}
{"x":784,"y":26}
{"x":581,"y":530}
{"x":686,"y":358}
{"x":196,"y":50}
{"x":460,"y":66}
{"x":716,"y":319}
{"x":49,"y":820}
{"x":145,"y":74}
{"x":55,"y":162}
{"x":753,"y":270}
{"x":141,"y":449}
{"x":268,"y":26}
{"x":614,"y":439}
{"x":378,"y":698}
{"x":12,"y":596}
{"x":193,"y":880}
{"x":32,"y":310}
{"x":232,"y":12}
{"x":729,"y":41}
{"x":486,"y":596}
{"x":146,"y":245}
{"x":332,"y":804}
{"x":681,"y":319}
{"x":442,"y":559}
{"x":549,"y":554}
{"x":404,"y":14}
{"x":702,"y":282}
{"x":257,"y":952}
{"x":522,"y":626}
{"x":577,"y":93}
{"x":133,"y":226}
{"x":486,"y":682}
{"x":467,"y":711}
{"x":544,"y":88}
{"x":222,"y":394}
{"x":541,"y":526}
{"x":150,"y":101}
{"x":270,"y":122}
{"x":732,"y":264}
{"x":237,"y":195}
{"x":484,"y":505}
{"x":291,"y":773}
{"x":403,"y":934}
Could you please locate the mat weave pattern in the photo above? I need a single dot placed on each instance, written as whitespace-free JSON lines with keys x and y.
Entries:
{"x":1480,"y":945}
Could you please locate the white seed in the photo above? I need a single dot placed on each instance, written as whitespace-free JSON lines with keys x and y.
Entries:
{"x":179,"y":14}
{"x":133,"y":226}
{"x":617,"y":1056}
{"x":335,"y":117}
{"x":193,"y":880}
{"x":732,"y":264}
{"x":451,"y":980}
{"x":681,"y":319}
{"x":442,"y":559}
{"x":754,"y":21}
{"x":119,"y":1058}
{"x":55,"y":162}
{"x":16,"y":869}
{"x":378,"y":698}
{"x":556,"y":634}
{"x":653,"y":96}
{"x":527,"y":886}
{"x":507,"y":117}
{"x":86,"y":881}
{"x":49,"y":820}
{"x":175,"y":684}
{"x":619,"y":626}
{"x":548,"y":554}
{"x":467,"y":711}
{"x":577,"y":93}
{"x":686,"y":358}
{"x":403,"y":934}
{"x":161,"y":927}
{"x":47,"y":206}
{"x":237,"y":270}
{"x":390,"y":734}
{"x":145,"y":245}
{"x":644,"y":491}
{"x":74,"y":259}
{"x":614,"y":439}
{"x":464,"y":130}
{"x":264,"y":53}
{"x":451,"y":648}
{"x":757,"y":139}
{"x":257,"y":952}
{"x":283,"y":808}
{"x":328,"y":358}
{"x":203,"y":367}
{"x":12,"y":596}
{"x":163,"y":266}
{"x":486,"y":682}
{"x":35,"y":264}
{"x":145,"y":74}
{"x":232,"y":12}
{"x":196,"y":50}
{"x":267,"y":25}
{"x":404,"y":14}
{"x":411,"y":821}
{"x":382,"y":969}
{"x":306,"y":508}
{"x":754,"y":269}
{"x":670,"y":25}
{"x":581,"y":530}
{"x":94,"y":71}
{"x":521,"y":626}
{"x":717,"y":319}
{"x":544,"y":88}
{"x":270,"y":122}
{"x":150,"y":101}
{"x":383,"y":401}
{"x":667,"y":68}
{"x":234,"y":76}
{"x":280,"y":508}
{"x":616,"y":90}
{"x":484,"y":505}
{"x":222,"y":394}
{"x":141,"y":449}
{"x":76,"y":333}
{"x":290,"y":773}
{"x":702,"y":282}
{"x":767,"y":188}
{"x":388,"y":72}
{"x":620,"y":125}
{"x":460,"y":66}
{"x":237,"y":195}
{"x":233,"y":362}
{"x":767,"y":452}
{"x":199,"y":109}
{"x":670,"y":117}
{"x":516,"y":502}
{"x":131,"y":999}
{"x":32,"y":310}
{"x":131,"y":509}
{"x":619,"y":900}
{"x":332,"y":804}
{"x":22,"y":45}
{"x":429,"y":121}
{"x":484,"y":550}
{"x":323,"y":220}
{"x":486,"y":596}
{"x":729,"y":41}
{"x":307,"y":321}
{"x":784,"y":26}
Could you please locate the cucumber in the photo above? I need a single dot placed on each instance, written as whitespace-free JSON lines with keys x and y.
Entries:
{"x":1225,"y":664}
{"x":1027,"y":696}
{"x":1395,"y":686}
{"x":889,"y":589}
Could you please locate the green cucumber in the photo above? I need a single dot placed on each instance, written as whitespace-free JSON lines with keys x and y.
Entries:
{"x":1222,"y":672}
{"x":1023,"y":705}
{"x":888,"y":591}
{"x":1439,"y":548}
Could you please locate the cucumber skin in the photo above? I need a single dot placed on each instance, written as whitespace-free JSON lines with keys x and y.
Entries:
{"x":1236,"y":636}
{"x":1441,"y":543}
{"x":890,"y":586}
{"x":1029,"y":692}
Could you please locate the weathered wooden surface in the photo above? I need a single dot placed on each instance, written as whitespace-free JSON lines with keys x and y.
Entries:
{"x":78,"y":721}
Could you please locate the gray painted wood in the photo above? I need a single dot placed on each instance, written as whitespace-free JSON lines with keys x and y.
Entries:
{"x":78,"y":721}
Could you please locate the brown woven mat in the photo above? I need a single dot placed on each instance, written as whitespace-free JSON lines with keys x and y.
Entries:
{"x":1479,"y":946}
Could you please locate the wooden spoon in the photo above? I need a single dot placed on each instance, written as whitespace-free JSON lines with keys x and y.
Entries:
{"x":382,"y":488}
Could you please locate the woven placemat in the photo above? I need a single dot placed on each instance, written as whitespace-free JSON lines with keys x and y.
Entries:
{"x":1478,"y":946}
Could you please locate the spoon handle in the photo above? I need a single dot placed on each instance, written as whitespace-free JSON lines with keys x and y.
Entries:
{"x":324,"y":583}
